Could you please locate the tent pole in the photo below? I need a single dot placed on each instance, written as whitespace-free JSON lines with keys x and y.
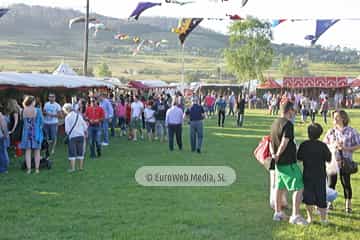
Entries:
{"x":86,"y":43}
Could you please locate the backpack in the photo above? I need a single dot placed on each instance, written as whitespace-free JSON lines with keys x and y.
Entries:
{"x":262,"y":152}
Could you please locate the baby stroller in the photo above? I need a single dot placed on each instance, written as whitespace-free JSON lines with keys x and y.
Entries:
{"x":45,"y":161}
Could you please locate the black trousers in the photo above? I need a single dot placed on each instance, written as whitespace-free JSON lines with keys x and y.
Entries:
{"x":175,"y":129}
{"x":345,"y":182}
{"x":312,"y":116}
{"x":221,"y":117}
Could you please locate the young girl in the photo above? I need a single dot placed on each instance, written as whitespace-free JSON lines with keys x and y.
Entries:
{"x":149,"y":115}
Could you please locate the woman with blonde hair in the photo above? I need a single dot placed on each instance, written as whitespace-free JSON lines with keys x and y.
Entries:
{"x":15,"y":125}
{"x":32,"y":133}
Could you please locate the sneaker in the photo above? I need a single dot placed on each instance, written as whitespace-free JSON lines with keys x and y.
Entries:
{"x":198,"y":151}
{"x":348,"y":210}
{"x":298,"y":220}
{"x":279,"y":216}
{"x":71,"y":170}
{"x":105,"y":144}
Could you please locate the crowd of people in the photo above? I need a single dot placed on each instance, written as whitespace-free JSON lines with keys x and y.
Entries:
{"x":310,"y":186}
{"x":91,"y":122}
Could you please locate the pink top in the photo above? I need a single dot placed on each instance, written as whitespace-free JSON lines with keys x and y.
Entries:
{"x":120,"y":110}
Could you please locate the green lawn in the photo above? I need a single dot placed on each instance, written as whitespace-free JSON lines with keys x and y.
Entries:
{"x":105,"y":202}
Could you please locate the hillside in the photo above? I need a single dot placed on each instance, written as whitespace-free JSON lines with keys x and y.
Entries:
{"x":38,"y":38}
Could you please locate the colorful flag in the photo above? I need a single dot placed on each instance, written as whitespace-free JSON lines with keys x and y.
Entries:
{"x":121,"y":36}
{"x":3,"y":11}
{"x":185,"y":27}
{"x":80,"y":20}
{"x":276,"y":22}
{"x":321,"y":27}
{"x":181,"y":3}
{"x":141,"y":7}
{"x":234,"y":17}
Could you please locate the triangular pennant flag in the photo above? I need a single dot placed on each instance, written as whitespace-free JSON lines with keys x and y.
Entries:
{"x":321,"y":27}
{"x":141,"y":7}
{"x":277,"y":22}
{"x":185,"y":27}
{"x":3,"y":11}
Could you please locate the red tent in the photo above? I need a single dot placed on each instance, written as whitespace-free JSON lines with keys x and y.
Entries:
{"x":269,"y":84}
{"x":355,"y":83}
{"x":315,"y":82}
{"x":137,"y":85}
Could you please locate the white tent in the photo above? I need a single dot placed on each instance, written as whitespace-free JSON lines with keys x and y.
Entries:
{"x":154,"y":83}
{"x":64,"y":69}
{"x":37,"y":80}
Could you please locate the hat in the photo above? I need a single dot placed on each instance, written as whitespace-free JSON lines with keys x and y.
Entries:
{"x":67,"y":108}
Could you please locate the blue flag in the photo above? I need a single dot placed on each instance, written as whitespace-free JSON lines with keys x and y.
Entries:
{"x":3,"y":11}
{"x":141,"y":7}
{"x":321,"y":27}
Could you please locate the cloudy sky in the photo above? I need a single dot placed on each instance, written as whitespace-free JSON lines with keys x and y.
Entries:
{"x":344,"y":33}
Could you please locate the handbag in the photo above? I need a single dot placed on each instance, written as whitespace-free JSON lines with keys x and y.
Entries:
{"x":348,"y":166}
{"x":262,"y":152}
{"x":67,"y":137}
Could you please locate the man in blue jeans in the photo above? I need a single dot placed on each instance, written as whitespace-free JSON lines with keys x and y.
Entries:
{"x":94,"y":115}
{"x":106,"y":105}
{"x":52,"y":113}
{"x":196,"y":114}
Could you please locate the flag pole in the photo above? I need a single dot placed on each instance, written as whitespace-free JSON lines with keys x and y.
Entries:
{"x":86,"y":39}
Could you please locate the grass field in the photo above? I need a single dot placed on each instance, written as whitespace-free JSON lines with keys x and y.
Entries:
{"x":105,"y":202}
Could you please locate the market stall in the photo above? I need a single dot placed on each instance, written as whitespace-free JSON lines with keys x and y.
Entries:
{"x":16,"y":85}
{"x":224,"y":89}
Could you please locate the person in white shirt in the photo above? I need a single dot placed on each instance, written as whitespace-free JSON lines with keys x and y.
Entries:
{"x":174,"y":120}
{"x":76,"y":130}
{"x":150,"y":120}
{"x":137,"y":107}
{"x":52,"y":112}
{"x":313,"y":109}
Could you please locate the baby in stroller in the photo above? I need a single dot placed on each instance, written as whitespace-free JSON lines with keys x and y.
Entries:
{"x":45,"y":162}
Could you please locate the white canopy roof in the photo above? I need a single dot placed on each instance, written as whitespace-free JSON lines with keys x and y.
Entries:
{"x":114,"y":81}
{"x":37,"y":80}
{"x":64,"y":69}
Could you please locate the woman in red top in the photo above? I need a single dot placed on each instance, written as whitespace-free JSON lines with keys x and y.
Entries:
{"x":94,"y":115}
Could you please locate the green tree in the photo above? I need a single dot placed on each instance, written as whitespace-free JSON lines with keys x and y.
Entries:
{"x":291,"y":66}
{"x":103,"y":70}
{"x":250,"y":52}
